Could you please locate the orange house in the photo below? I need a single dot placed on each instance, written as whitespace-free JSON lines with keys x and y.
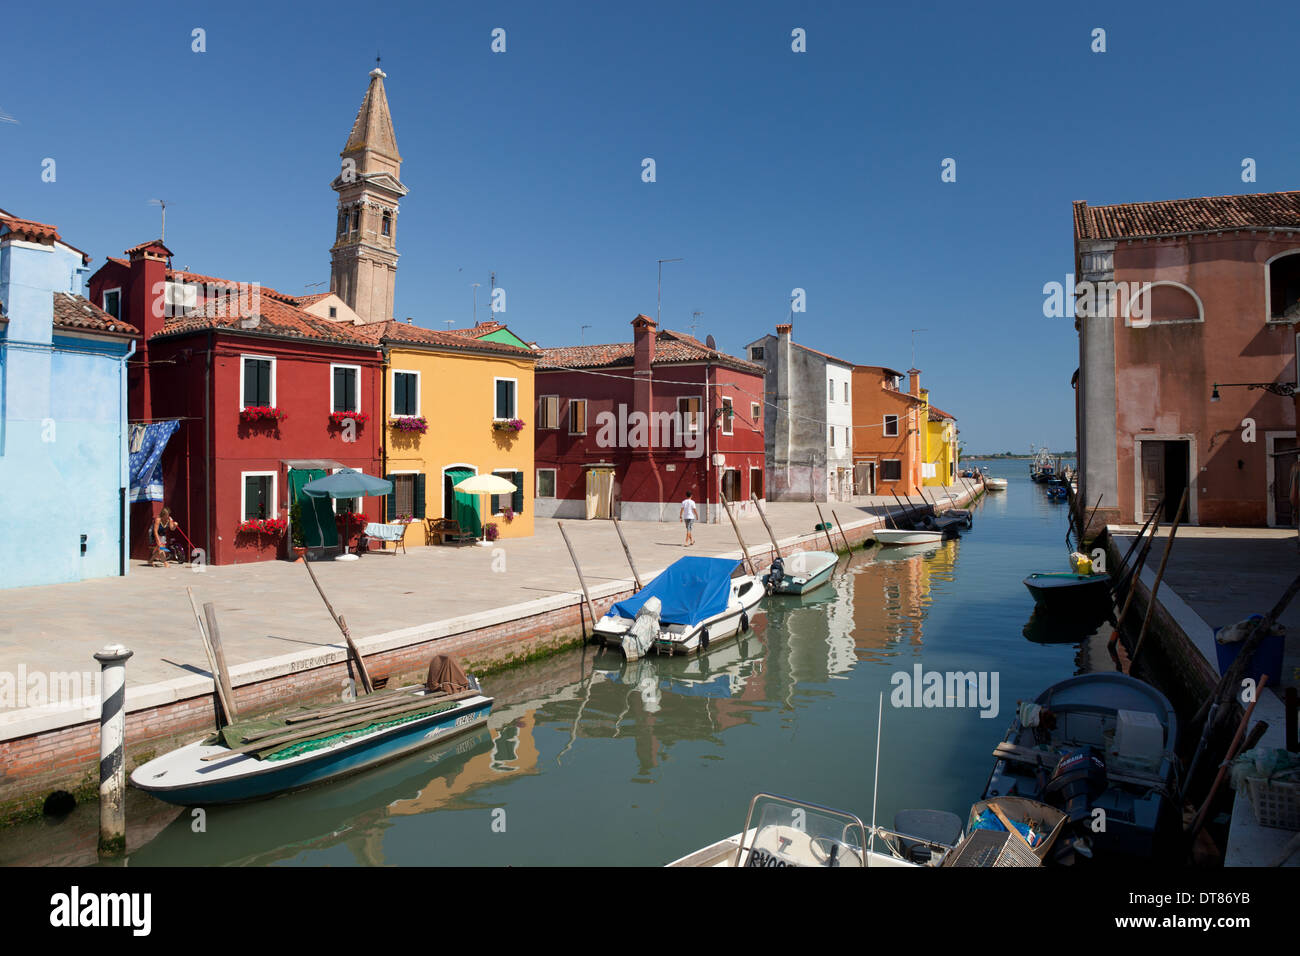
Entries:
{"x":888,"y":431}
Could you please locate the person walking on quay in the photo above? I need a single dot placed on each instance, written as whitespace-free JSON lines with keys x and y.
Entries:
{"x":688,"y":514}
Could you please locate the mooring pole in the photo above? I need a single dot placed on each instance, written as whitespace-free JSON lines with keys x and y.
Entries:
{"x":591,"y":608}
{"x":776,"y":548}
{"x":112,"y":744}
{"x":628,"y":551}
{"x":736,"y":528}
{"x":826,"y":527}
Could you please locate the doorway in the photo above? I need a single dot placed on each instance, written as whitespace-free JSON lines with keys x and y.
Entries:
{"x":459,"y":506}
{"x":864,"y":481}
{"x":600,"y":492}
{"x":1164,"y":470}
{"x":1283,"y":452}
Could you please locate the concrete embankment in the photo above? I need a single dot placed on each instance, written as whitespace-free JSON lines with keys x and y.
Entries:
{"x":53,"y":747}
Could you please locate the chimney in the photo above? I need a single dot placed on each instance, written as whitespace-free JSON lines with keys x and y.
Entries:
{"x":785,"y":331}
{"x":145,"y":304}
{"x":643,"y":357}
{"x":914,"y":382}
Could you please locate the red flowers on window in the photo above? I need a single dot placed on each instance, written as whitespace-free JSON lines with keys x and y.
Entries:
{"x":259,"y":413}
{"x":275,"y":527}
{"x":411,"y":423}
{"x":338,"y":419}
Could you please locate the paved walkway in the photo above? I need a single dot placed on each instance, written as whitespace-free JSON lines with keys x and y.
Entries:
{"x":270,"y":609}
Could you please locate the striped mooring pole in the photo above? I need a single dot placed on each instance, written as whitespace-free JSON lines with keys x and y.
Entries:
{"x":112,"y":741}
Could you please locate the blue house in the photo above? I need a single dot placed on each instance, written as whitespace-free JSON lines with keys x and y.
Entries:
{"x":63,"y":445}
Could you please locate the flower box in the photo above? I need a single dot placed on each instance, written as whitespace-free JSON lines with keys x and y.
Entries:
{"x":514,"y":426}
{"x":410,"y":423}
{"x":339,"y":419}
{"x":490,"y":531}
{"x":275,"y":527}
{"x":261,"y":413}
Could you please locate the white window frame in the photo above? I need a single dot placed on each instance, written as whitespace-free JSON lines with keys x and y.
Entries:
{"x":243,"y":493}
{"x":755,"y":411}
{"x":569,"y":416}
{"x":830,"y":388}
{"x":1268,"y":287}
{"x":880,"y":469}
{"x":1146,"y":322}
{"x":103,"y":305}
{"x":392,"y":388}
{"x":243,"y":356}
{"x":541,"y":404}
{"x":514,"y":413}
{"x":885,"y":426}
{"x":554,"y":484}
{"x":357,"y":369}
{"x":728,"y":421}
{"x":693,"y":423}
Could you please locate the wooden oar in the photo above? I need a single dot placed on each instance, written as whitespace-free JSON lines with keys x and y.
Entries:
{"x":1155,"y":587}
{"x":591,"y":608}
{"x":776,"y":548}
{"x":1137,"y":569}
{"x":347,"y":636}
{"x":377,"y":699}
{"x":399,"y":703}
{"x":627,"y":551}
{"x":1228,"y":757}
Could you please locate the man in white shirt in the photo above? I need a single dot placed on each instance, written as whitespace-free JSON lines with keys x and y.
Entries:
{"x":688,"y":514}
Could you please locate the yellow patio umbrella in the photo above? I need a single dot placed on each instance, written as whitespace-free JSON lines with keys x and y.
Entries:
{"x":485,"y":485}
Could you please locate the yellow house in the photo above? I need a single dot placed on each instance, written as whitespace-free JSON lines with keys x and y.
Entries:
{"x":939,"y":462}
{"x":449,"y":399}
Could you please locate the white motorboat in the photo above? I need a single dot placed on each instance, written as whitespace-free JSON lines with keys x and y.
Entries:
{"x":894,"y":536}
{"x":800,"y":572}
{"x":995,"y":484}
{"x":693,"y":604}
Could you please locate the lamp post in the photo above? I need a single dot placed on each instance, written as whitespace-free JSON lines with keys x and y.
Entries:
{"x":1284,"y":389}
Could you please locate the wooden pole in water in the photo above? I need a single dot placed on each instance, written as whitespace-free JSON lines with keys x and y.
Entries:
{"x":366,"y":685}
{"x":224,"y":712}
{"x":628,"y":551}
{"x":841,"y":527}
{"x":776,"y":548}
{"x":826,"y":529}
{"x":1137,"y":569}
{"x":749,"y":562}
{"x":219,"y":651}
{"x":908,"y":515}
{"x":1155,"y":587}
{"x":591,"y":608}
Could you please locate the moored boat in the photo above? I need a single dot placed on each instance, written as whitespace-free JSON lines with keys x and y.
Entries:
{"x":694,"y":602}
{"x":995,"y":484}
{"x":895,"y":536}
{"x":800,"y":572}
{"x":252,"y":759}
{"x":1066,"y":591}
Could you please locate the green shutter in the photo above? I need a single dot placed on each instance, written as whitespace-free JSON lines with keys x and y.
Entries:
{"x":390,"y":500}
{"x":517,"y":500}
{"x":418,"y":503}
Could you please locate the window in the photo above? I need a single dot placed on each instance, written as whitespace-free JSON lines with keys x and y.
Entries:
{"x":356,"y":219}
{"x":731,"y":485}
{"x":545,"y":482}
{"x":257,"y":381}
{"x":832,"y":431}
{"x":345,"y":505}
{"x":345,"y":388}
{"x":756,"y":481}
{"x":406,"y":393}
{"x":343,"y":222}
{"x":688,"y":413}
{"x":512,"y":500}
{"x":728,"y":413}
{"x":891,"y":469}
{"x":113,"y":302}
{"x":548,"y":412}
{"x":756,"y":354}
{"x":403,"y":495}
{"x":506,"y":389}
{"x":891,"y":426}
{"x":830,"y":390}
{"x":577,"y":416}
{"x":334,"y":312}
{"x":846,"y":391}
{"x":258,"y":495}
{"x":1283,"y":274}
{"x":387,"y":226}
{"x":755,"y":412}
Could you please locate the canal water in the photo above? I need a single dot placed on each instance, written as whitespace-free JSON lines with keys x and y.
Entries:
{"x":588,"y":760}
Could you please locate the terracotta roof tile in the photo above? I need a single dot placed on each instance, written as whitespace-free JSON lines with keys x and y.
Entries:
{"x":403,"y":333}
{"x":76,"y":312}
{"x":938,"y":414}
{"x":30,"y":230}
{"x":670,"y":348}
{"x":1172,"y":217}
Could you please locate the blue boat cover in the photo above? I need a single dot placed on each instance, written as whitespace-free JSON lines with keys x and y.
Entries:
{"x":690,"y":589}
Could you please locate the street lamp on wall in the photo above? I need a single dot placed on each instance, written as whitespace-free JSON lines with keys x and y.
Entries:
{"x":1285,"y":389}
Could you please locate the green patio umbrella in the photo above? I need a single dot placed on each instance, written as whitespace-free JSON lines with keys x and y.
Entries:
{"x":347,"y":483}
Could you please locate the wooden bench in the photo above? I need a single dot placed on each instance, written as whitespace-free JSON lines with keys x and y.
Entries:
{"x":448,"y":529}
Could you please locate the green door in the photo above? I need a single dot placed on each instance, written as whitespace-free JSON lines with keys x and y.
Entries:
{"x":460,"y":506}
{"x":318,"y":526}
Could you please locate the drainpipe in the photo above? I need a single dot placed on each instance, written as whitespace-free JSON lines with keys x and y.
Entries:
{"x":207,"y":447}
{"x":124,"y":469}
{"x":382,"y":420}
{"x":708,"y":432}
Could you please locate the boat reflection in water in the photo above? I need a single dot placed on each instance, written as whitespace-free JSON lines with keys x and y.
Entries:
{"x":1046,"y":627}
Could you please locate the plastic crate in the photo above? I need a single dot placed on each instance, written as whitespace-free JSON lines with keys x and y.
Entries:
{"x":1276,"y":804}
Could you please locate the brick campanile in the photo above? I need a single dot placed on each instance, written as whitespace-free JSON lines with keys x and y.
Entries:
{"x":363,"y":259}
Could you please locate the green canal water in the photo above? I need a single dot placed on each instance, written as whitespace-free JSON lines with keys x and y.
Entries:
{"x":591,"y":761}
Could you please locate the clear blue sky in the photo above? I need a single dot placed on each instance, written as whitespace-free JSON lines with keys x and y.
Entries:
{"x":775,"y":170}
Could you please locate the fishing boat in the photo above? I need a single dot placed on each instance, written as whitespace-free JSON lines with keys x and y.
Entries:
{"x":794,"y":833}
{"x":800,"y":572}
{"x":945,"y":522}
{"x":252,"y":759}
{"x":1058,"y":492}
{"x":693,"y":603}
{"x":995,"y":484}
{"x":1066,"y":591}
{"x":1097,"y":742}
{"x":896,"y":536}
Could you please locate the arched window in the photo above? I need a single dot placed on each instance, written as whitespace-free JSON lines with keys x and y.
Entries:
{"x":1161,"y":302}
{"x":1282,"y":278}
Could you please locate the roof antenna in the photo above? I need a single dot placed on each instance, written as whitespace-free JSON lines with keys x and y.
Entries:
{"x":162,"y":235}
{"x":582,"y":335}
{"x":695,"y":321}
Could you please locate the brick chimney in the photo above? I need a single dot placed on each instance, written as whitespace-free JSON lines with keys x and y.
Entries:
{"x":643,"y":356}
{"x":914,"y":382}
{"x":144,"y":303}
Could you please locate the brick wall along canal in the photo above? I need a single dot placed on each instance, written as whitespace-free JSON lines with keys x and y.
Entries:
{"x":588,"y":760}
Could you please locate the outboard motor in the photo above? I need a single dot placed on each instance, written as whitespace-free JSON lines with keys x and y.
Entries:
{"x":1079,"y":778}
{"x":775,"y":574}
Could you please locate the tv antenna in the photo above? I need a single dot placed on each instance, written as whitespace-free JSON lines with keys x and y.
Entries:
{"x":582,"y":334}
{"x":473,"y":319}
{"x":695,"y":322}
{"x":162,"y":234}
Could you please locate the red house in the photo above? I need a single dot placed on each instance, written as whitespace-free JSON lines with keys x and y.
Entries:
{"x":625,"y":430}
{"x":252,"y":378}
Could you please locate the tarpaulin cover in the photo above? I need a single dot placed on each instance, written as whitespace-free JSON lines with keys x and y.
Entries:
{"x":445,"y":675}
{"x":691,"y":589}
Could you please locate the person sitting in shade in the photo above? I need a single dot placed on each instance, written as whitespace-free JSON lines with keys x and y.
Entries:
{"x":688,"y":515}
{"x":158,"y":535}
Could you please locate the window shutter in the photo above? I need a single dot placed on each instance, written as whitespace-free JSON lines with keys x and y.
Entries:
{"x":517,"y":499}
{"x":418,"y":504}
{"x":390,"y":499}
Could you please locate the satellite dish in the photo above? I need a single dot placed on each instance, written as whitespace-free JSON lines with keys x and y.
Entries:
{"x":710,"y":343}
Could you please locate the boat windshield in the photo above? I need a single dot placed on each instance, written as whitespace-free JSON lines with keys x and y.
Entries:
{"x":793,"y":833}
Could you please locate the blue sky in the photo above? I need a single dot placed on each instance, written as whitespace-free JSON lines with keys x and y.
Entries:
{"x":775,"y":170}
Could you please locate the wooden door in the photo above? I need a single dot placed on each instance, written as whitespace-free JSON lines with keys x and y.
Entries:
{"x":1285,"y":455}
{"x":1153,"y":476}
